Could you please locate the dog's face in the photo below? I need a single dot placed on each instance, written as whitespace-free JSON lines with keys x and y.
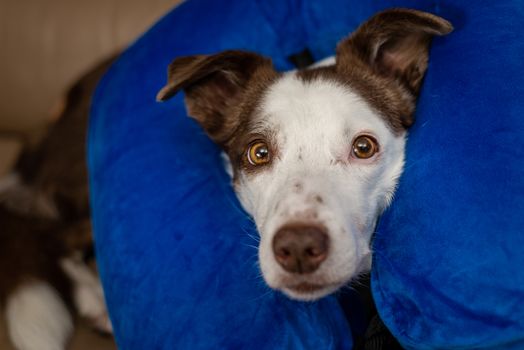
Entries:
{"x":329,"y":165}
{"x":315,"y":154}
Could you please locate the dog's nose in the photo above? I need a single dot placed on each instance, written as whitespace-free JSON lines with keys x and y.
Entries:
{"x":300,"y":248}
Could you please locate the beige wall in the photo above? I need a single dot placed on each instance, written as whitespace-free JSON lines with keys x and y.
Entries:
{"x":45,"y":44}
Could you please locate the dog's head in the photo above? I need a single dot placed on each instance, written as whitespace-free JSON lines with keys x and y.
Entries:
{"x":315,"y":154}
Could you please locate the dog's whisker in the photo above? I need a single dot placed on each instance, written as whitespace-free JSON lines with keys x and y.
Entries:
{"x":255,"y":240}
{"x":347,"y":287}
{"x":250,"y":246}
{"x":261,"y":296}
{"x":240,"y":210}
{"x":250,"y":233}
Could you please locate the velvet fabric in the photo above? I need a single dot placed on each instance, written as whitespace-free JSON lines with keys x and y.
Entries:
{"x":448,"y":264}
{"x":177,"y":255}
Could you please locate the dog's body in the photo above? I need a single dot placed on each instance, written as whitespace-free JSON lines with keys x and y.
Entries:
{"x":46,"y":270}
{"x":315,"y":154}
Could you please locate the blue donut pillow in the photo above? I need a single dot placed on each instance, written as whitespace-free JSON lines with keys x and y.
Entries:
{"x":175,"y":251}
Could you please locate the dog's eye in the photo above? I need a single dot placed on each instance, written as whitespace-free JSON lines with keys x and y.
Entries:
{"x":364,"y":147}
{"x":258,"y":153}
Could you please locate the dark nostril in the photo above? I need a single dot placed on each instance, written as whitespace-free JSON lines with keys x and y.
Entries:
{"x":300,"y":248}
{"x":284,"y":253}
{"x":314,"y":252}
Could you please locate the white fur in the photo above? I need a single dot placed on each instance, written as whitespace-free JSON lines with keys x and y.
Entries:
{"x":22,"y":199}
{"x":325,"y":62}
{"x":318,"y":121}
{"x":88,"y":293}
{"x":37,"y":319}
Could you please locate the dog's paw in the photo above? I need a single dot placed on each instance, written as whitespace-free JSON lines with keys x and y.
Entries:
{"x":37,"y":318}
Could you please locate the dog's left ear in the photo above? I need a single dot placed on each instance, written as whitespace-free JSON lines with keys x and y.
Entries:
{"x":214,"y":86}
{"x":395,"y":44}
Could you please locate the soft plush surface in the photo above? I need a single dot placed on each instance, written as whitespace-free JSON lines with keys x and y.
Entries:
{"x":449,"y":262}
{"x":176,"y":252}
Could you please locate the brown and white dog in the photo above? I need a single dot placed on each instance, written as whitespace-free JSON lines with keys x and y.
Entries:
{"x":46,"y":275}
{"x":315,"y":154}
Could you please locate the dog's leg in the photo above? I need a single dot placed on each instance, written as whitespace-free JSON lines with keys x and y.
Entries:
{"x":37,"y":318}
{"x":88,"y":294}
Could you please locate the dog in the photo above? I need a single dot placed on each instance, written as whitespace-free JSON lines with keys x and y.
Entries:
{"x":315,"y":155}
{"x":47,"y":270}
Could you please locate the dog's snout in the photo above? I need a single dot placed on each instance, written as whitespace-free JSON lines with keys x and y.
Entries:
{"x":300,"y":248}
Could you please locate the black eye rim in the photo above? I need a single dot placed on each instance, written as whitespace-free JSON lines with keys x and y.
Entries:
{"x":374,"y":142}
{"x":248,"y":152}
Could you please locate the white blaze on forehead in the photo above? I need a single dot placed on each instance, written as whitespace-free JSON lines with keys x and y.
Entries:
{"x":309,"y":110}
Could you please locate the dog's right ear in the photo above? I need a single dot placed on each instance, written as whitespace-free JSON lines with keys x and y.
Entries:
{"x":213,"y":85}
{"x":393,"y":44}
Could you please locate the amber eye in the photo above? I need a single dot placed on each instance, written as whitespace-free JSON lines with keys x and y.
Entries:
{"x":258,"y":153}
{"x":364,"y":147}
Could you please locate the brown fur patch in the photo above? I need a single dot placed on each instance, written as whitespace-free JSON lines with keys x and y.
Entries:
{"x":223,"y":93}
{"x":220,"y":89}
{"x":246,"y":129}
{"x":388,"y":54}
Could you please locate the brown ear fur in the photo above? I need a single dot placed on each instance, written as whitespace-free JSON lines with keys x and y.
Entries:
{"x":213,"y":86}
{"x":394,"y":44}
